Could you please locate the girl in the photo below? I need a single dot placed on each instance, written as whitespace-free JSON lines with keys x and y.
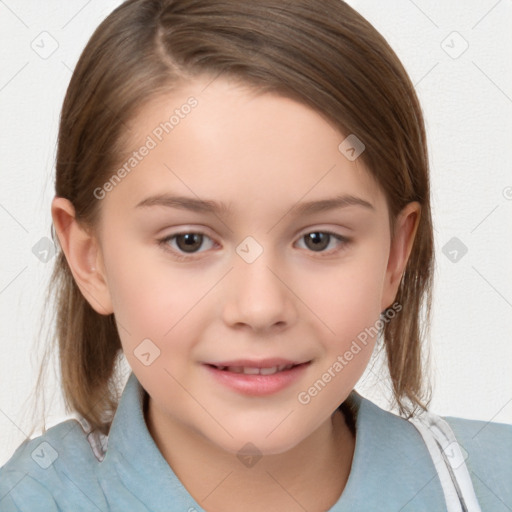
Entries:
{"x":242,"y":208}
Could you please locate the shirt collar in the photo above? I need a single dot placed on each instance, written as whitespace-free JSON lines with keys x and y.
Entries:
{"x":391,"y":464}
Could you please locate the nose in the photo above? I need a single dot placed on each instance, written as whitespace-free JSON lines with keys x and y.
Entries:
{"x":258,"y":297}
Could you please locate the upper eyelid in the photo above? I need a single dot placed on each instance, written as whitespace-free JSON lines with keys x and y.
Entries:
{"x":303,"y":232}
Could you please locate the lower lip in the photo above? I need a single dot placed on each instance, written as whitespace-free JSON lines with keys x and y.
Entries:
{"x":258,"y":385}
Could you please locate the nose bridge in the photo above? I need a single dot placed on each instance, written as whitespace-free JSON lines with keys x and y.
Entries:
{"x":257,"y":295}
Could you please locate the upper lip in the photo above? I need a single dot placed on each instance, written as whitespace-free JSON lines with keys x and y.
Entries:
{"x":253,"y":363}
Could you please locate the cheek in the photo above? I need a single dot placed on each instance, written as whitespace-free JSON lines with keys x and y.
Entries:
{"x":153,"y":299}
{"x":348,"y":297}
{"x":347,"y":300}
{"x":145,"y":301}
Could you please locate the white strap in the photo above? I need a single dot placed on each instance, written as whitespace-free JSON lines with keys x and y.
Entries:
{"x":449,"y":462}
{"x":96,"y":439}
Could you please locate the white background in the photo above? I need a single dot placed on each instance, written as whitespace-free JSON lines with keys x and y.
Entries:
{"x":467,"y":103}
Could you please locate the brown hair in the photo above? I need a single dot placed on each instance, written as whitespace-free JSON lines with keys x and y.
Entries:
{"x":320,"y":53}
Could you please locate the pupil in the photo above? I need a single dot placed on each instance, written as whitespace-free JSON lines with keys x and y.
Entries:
{"x":192,"y":241}
{"x":318,"y":240}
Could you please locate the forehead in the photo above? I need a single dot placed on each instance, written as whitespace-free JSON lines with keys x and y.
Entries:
{"x":223,"y":140}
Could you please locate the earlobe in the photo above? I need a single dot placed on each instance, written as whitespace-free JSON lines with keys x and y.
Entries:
{"x":83,"y":255}
{"x":406,"y":227}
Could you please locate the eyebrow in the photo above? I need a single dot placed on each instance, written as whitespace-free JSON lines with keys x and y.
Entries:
{"x":214,"y":207}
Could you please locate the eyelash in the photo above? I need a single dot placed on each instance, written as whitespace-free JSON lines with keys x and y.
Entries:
{"x":163,"y":242}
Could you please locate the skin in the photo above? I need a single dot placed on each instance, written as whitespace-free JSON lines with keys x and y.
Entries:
{"x":261,"y":154}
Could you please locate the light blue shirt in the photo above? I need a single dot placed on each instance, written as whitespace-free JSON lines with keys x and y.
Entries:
{"x":391,"y":469}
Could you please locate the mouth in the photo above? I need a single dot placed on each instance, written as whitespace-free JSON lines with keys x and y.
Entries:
{"x":257,"y":370}
{"x":257,"y":378}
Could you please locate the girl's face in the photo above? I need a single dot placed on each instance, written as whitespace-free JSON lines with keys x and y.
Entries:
{"x":243,"y":232}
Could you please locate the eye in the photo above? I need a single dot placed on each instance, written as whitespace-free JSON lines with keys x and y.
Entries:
{"x":185,"y":243}
{"x":188,"y":243}
{"x":318,"y":241}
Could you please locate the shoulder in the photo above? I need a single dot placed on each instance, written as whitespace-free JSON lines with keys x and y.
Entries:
{"x":392,"y":459}
{"x":487,"y":449}
{"x":392,"y":468}
{"x":484,"y":439}
{"x":54,"y":463}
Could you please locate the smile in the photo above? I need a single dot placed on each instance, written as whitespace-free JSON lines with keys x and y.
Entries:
{"x":256,"y":380}
{"x":248,"y":370}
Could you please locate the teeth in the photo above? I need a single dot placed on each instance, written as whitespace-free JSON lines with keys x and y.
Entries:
{"x":251,"y":371}
{"x":268,"y":371}
{"x":247,"y":370}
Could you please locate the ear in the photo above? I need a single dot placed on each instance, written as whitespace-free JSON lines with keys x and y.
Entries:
{"x":405,"y":231}
{"x":83,"y":254}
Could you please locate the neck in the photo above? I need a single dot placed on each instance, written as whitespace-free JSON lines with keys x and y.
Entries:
{"x":311,"y":476}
